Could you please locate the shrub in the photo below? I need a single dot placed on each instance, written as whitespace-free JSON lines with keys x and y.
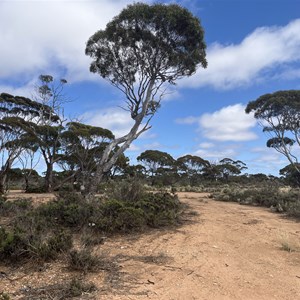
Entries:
{"x":77,"y":287}
{"x":69,"y":210}
{"x":36,"y":189}
{"x":18,"y":206}
{"x":83,"y":260}
{"x":126,"y":190}
{"x":119,"y":216}
{"x":160,"y":209}
{"x":16,"y":245}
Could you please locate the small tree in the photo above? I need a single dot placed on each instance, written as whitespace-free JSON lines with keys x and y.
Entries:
{"x":49,"y":125}
{"x":192,"y":166}
{"x":229,"y":167}
{"x":82,"y":147}
{"x":279,"y":115}
{"x":142,"y":49}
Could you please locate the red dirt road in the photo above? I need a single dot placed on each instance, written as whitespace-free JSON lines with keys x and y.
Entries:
{"x":227,"y":251}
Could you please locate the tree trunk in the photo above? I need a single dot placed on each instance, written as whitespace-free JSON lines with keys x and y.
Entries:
{"x":107,"y":162}
{"x":48,"y":185}
{"x":3,"y":179}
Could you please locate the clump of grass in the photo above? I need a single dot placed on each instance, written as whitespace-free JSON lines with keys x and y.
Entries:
{"x":66,"y":290}
{"x":287,"y":243}
{"x":83,"y":260}
{"x":4,"y":296}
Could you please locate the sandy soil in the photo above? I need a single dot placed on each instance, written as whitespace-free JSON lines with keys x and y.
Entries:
{"x":221,"y":251}
{"x":226,"y":251}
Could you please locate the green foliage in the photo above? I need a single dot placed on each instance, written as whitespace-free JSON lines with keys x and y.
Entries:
{"x":119,"y":216}
{"x":69,"y":210}
{"x":161,"y":41}
{"x":280,"y":114}
{"x":160,"y":209}
{"x":20,"y":244}
{"x":35,"y":189}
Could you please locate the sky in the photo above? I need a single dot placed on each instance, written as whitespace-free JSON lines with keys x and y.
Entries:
{"x":253,"y":48}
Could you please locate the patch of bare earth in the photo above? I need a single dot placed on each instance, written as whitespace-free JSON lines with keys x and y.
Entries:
{"x":221,"y":251}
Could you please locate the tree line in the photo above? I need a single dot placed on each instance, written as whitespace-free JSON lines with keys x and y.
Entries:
{"x":141,"y":52}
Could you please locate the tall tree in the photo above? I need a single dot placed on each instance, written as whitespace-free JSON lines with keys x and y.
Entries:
{"x":49,"y":125}
{"x":279,"y":115}
{"x":142,"y":50}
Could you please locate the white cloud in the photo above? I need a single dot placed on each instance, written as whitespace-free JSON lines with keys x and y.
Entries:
{"x":206,"y":145}
{"x":216,"y":155}
{"x":230,"y":123}
{"x":114,"y":119}
{"x":258,"y":56}
{"x":38,"y":36}
{"x":188,"y":120}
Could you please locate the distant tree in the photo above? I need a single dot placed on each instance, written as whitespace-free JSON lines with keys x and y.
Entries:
{"x":16,"y":115}
{"x":279,"y":115}
{"x":291,"y":175}
{"x":156,"y":162}
{"x":49,"y":125}
{"x":141,"y":50}
{"x":82,"y":146}
{"x":229,"y":167}
{"x":191,"y":164}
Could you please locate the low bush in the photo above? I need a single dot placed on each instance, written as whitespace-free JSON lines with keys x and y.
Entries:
{"x":13,"y":208}
{"x":17,"y":244}
{"x":83,"y":260}
{"x":278,"y":199}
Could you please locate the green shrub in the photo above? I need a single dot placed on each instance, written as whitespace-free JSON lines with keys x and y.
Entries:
{"x":160,"y":209}
{"x":69,"y":210}
{"x":119,"y":216}
{"x":16,"y":245}
{"x":126,"y":190}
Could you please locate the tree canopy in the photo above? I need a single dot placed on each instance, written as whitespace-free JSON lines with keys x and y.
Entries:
{"x":279,"y":115}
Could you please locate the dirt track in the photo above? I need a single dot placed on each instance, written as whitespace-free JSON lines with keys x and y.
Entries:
{"x":222,"y":251}
{"x":226,"y":251}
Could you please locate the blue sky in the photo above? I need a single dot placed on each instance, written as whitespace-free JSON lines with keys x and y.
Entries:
{"x":253,"y":48}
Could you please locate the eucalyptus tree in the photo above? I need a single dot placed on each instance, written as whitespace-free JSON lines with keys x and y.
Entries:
{"x":49,"y":125}
{"x":156,"y":162}
{"x":279,"y":115}
{"x":82,"y":148}
{"x":192,"y":166}
{"x":229,"y":167}
{"x":142,"y":51}
{"x":16,"y":113}
{"x":290,"y":174}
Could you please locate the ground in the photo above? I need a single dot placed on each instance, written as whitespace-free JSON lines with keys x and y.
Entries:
{"x":221,"y":250}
